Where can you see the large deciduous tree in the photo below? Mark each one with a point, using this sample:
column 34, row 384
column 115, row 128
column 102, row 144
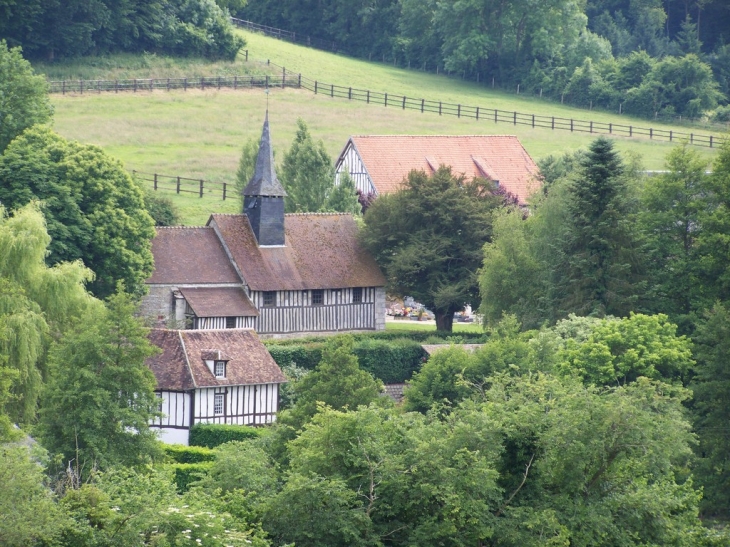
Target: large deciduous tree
column 23, row 95
column 428, row 238
column 94, row 210
column 100, row 396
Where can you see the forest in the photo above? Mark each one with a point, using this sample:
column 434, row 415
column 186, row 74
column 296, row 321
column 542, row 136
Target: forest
column 651, row 58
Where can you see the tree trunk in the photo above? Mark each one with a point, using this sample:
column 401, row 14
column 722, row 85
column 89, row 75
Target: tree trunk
column 444, row 320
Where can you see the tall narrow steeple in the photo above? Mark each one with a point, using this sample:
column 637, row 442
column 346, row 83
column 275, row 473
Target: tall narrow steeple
column 263, row 197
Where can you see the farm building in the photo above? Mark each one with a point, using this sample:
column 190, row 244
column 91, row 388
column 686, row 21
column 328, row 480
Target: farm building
column 277, row 274
column 378, row 164
column 212, row 376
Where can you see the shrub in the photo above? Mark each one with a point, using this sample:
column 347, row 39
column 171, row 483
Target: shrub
column 184, row 474
column 189, row 454
column 301, row 355
column 390, row 361
column 213, row 435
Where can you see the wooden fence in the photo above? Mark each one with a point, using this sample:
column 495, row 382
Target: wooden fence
column 479, row 113
column 184, row 185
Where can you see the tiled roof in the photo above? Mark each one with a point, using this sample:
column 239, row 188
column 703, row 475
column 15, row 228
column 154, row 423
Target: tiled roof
column 395, row 391
column 190, row 255
column 219, row 302
column 321, row 252
column 389, row 159
column 181, row 365
column 433, row 348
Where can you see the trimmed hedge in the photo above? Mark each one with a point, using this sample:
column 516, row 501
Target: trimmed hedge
column 415, row 335
column 391, row 361
column 212, row 435
column 184, row 474
column 189, row 454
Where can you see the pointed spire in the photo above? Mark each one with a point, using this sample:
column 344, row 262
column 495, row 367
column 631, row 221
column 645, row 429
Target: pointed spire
column 264, row 181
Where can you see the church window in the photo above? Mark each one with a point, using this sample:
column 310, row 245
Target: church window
column 357, row 295
column 317, row 297
column 269, row 299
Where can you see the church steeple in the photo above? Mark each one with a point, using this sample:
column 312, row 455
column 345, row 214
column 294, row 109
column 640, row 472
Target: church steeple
column 263, row 197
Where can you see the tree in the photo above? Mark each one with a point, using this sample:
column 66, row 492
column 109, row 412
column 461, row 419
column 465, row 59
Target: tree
column 428, row 238
column 246, row 166
column 306, row 173
column 37, row 304
column 100, row 395
column 23, row 95
column 601, row 251
column 673, row 204
column 343, row 197
column 93, row 208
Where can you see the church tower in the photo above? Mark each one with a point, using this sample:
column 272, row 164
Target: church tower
column 263, row 197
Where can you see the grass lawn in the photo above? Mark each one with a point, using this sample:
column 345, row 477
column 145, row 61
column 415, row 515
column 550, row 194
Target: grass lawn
column 417, row 325
column 199, row 134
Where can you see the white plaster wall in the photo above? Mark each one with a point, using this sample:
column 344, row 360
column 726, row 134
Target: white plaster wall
column 174, row 436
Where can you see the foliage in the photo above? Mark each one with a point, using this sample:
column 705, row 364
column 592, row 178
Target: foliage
column 162, row 209
column 619, row 352
column 100, row 396
column 94, row 210
column 306, row 173
column 428, row 236
column 711, row 387
column 246, row 166
column 186, row 475
column 188, row 454
column 241, row 465
column 23, row 95
column 214, row 435
column 30, row 515
column 37, row 304
column 343, row 197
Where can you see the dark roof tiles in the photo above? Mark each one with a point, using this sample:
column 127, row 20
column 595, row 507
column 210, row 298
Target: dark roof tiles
column 219, row 302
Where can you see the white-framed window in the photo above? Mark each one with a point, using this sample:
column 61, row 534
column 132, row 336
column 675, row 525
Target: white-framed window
column 219, row 369
column 219, row 400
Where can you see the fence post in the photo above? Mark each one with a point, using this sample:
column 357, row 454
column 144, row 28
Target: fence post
column 155, row 182
column 610, row 128
column 185, row 84
column 315, row 87
column 404, row 102
column 235, row 82
column 224, row 191
column 710, row 141
column 591, row 130
column 246, row 55
column 283, row 77
column 385, row 100
column 349, row 94
column 631, row 130
column 651, row 133
column 458, row 111
column 178, row 185
column 477, row 109
column 168, row 84
column 299, row 83
column 152, row 84
column 514, row 118
column 135, row 85
column 691, row 138
column 202, row 82
column 63, row 87
column 81, row 86
column 368, row 101
column 201, row 188
column 533, row 121
column 670, row 135
column 495, row 115
column 571, row 124
column 439, row 108
column 332, row 90
column 552, row 126
column 219, row 82
column 267, row 81
column 423, row 101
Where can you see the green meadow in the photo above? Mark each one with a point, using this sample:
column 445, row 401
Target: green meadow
column 199, row 134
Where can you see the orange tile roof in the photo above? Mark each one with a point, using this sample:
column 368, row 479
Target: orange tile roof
column 389, row 158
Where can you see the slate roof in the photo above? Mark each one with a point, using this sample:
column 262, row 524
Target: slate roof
column 389, row 158
column 321, row 252
column 181, row 365
column 264, row 181
column 395, row 391
column 190, row 255
column 219, row 302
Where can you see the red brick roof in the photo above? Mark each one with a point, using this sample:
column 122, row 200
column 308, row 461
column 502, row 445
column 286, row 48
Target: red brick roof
column 389, row 158
column 190, row 255
column 219, row 302
column 321, row 252
column 181, row 365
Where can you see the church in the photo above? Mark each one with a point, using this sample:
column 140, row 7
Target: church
column 278, row 274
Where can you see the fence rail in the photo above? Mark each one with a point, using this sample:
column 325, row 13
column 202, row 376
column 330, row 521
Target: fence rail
column 296, row 80
column 186, row 185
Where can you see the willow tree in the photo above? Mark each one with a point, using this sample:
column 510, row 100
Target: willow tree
column 37, row 303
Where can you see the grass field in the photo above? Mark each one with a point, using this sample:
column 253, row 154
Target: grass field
column 199, row 134
column 417, row 325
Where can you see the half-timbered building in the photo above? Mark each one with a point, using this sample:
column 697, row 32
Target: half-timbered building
column 378, row 164
column 279, row 274
column 212, row 376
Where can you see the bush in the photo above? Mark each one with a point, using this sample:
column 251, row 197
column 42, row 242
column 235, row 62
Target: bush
column 213, row 435
column 189, row 454
column 184, row 474
column 161, row 209
column 390, row 361
column 301, row 355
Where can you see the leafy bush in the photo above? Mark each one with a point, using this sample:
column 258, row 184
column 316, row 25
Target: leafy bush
column 184, row 474
column 189, row 454
column 301, row 355
column 213, row 435
column 391, row 362
column 162, row 210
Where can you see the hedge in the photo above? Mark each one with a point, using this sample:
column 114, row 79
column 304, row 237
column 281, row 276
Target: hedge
column 391, row 361
column 415, row 335
column 212, row 435
column 184, row 474
column 189, row 454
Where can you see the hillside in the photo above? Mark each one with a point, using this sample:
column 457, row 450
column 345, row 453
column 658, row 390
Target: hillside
column 200, row 133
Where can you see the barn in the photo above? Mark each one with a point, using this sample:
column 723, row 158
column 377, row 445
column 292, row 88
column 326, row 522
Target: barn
column 378, row 164
column 212, row 376
column 279, row 274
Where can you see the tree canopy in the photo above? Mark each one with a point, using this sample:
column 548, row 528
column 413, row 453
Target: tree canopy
column 94, row 210
column 428, row 238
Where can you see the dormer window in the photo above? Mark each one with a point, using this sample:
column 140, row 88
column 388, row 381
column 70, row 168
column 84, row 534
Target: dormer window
column 220, row 369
